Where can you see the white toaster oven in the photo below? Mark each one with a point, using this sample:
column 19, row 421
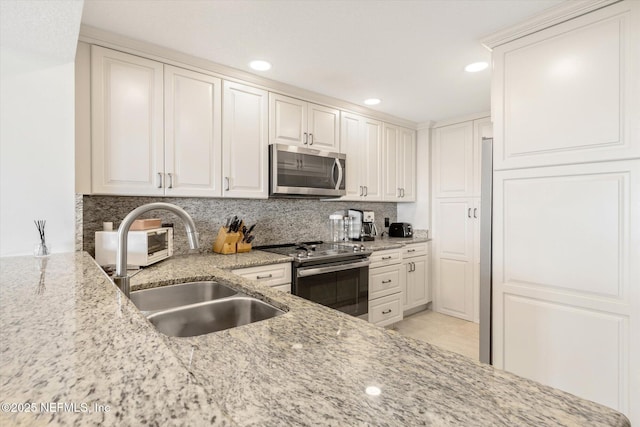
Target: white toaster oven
column 143, row 247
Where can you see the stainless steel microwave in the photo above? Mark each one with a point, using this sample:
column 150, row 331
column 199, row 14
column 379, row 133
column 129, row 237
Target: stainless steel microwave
column 305, row 172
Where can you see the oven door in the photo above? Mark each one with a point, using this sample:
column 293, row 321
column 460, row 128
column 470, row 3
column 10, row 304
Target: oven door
column 343, row 286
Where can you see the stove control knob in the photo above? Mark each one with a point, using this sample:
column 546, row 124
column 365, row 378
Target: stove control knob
column 362, row 248
column 313, row 247
column 356, row 248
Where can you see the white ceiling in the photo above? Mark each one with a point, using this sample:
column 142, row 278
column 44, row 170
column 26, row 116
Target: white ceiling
column 409, row 53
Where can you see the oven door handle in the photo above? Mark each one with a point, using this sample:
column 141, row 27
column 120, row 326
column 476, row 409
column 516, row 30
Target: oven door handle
column 304, row 272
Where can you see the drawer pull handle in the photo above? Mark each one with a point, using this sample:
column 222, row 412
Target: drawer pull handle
column 386, row 311
column 411, row 250
column 386, row 281
column 268, row 276
column 386, row 257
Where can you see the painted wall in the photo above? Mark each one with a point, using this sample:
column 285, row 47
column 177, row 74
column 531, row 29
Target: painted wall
column 418, row 213
column 37, row 123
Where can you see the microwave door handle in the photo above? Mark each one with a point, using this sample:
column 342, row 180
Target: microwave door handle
column 340, row 173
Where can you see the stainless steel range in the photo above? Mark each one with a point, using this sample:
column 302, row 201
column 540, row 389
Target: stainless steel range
column 331, row 274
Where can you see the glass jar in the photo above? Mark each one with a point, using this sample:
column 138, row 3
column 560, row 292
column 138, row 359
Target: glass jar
column 336, row 228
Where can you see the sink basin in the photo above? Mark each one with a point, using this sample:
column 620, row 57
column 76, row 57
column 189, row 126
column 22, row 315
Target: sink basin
column 167, row 297
column 212, row 316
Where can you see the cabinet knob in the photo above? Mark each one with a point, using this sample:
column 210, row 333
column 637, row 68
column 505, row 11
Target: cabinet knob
column 386, row 257
column 386, row 311
column 386, row 281
column 267, row 276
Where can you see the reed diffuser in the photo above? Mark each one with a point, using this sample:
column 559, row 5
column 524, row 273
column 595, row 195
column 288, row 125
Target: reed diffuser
column 41, row 249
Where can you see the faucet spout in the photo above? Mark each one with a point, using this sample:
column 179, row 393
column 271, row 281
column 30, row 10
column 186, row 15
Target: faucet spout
column 121, row 278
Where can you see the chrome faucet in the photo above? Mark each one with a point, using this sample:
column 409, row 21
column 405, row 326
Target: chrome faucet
column 121, row 279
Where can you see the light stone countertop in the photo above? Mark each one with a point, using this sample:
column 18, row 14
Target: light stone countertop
column 77, row 339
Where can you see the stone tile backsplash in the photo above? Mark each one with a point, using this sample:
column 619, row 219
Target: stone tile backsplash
column 278, row 220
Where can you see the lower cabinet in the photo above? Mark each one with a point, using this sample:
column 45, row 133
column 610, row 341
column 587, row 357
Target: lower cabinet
column 386, row 282
column 278, row 276
column 415, row 262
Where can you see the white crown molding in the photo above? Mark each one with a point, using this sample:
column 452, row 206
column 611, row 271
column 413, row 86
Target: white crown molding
column 425, row 125
column 461, row 119
column 158, row 53
column 550, row 17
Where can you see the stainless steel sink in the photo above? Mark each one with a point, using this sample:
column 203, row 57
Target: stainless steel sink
column 166, row 297
column 212, row 316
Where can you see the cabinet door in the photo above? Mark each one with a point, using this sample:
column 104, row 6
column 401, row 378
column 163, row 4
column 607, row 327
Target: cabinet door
column 453, row 160
column 127, row 125
column 390, row 143
column 192, row 133
column 323, row 127
column 351, row 145
column 417, row 271
column 454, row 257
column 244, row 148
column 407, row 165
column 371, row 170
column 287, row 120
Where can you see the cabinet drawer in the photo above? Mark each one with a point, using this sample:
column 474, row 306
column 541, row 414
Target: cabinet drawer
column 386, row 310
column 271, row 275
column 384, row 281
column 414, row 249
column 387, row 257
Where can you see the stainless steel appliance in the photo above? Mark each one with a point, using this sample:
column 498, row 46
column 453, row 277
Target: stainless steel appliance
column 305, row 172
column 400, row 229
column 144, row 247
column 369, row 230
column 334, row 275
column 486, row 193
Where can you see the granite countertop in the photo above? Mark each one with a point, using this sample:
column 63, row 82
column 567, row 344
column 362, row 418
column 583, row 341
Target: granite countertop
column 68, row 335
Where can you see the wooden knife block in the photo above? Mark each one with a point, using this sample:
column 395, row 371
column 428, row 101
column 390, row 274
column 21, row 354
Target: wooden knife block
column 230, row 243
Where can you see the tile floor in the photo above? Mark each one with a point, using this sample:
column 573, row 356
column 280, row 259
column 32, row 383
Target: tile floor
column 447, row 332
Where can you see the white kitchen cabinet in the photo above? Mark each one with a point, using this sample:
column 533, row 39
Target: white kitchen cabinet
column 456, row 158
column 192, row 113
column 415, row 261
column 127, row 124
column 399, row 164
column 386, row 284
column 566, row 206
column 456, row 257
column 155, row 128
column 277, row 276
column 245, row 168
column 361, row 141
column 296, row 122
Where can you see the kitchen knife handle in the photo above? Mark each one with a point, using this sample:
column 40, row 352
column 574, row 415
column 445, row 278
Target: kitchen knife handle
column 310, row 139
column 159, row 180
column 170, row 180
column 226, row 183
column 306, row 138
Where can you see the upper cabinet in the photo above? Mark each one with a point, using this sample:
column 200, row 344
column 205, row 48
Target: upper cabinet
column 456, row 158
column 580, row 83
column 192, row 113
column 296, row 122
column 399, row 164
column 244, row 141
column 127, row 124
column 361, row 141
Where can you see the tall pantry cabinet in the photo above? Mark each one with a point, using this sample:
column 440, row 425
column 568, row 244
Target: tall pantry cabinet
column 456, row 210
column 566, row 211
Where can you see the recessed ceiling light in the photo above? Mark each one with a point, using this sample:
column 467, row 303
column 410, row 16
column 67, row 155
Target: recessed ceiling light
column 259, row 65
column 475, row 67
column 372, row 101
